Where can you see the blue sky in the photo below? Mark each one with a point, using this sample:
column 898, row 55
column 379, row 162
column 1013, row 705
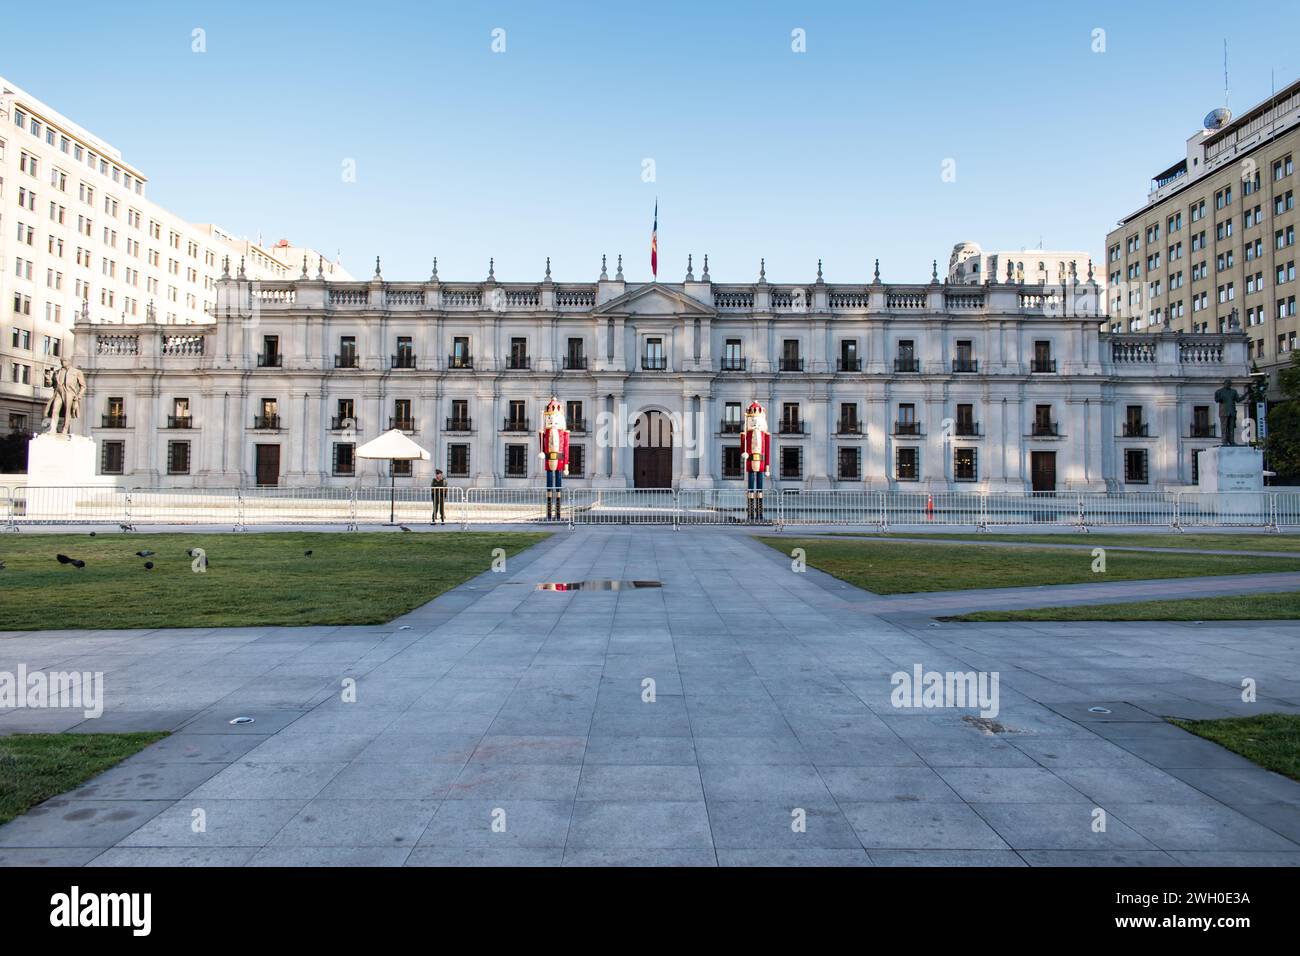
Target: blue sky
column 759, row 151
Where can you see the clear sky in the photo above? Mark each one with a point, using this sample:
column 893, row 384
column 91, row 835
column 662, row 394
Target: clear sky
column 758, row 151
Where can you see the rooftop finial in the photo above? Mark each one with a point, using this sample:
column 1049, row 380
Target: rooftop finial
column 762, row 270
column 1090, row 268
column 704, row 276
column 225, row 267
column 603, row 273
column 242, row 274
column 492, row 268
column 376, row 266
column 1008, row 272
column 304, row 265
column 619, row 274
column 877, row 279
column 934, row 270
column 690, row 267
column 320, row 267
column 433, row 276
column 819, row 270
column 548, row 267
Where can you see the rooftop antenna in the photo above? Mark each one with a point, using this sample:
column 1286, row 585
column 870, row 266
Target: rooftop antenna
column 1225, row 71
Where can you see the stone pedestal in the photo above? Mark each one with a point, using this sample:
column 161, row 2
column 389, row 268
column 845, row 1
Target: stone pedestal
column 61, row 461
column 1231, row 468
column 1234, row 476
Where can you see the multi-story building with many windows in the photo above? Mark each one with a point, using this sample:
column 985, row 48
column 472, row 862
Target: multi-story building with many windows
column 80, row 239
column 1215, row 246
column 1001, row 387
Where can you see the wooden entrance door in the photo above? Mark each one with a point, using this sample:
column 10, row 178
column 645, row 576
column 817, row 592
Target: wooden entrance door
column 268, row 464
column 1042, row 470
column 652, row 459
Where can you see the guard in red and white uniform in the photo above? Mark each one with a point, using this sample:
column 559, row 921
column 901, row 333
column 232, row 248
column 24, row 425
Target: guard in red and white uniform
column 756, row 454
column 554, row 443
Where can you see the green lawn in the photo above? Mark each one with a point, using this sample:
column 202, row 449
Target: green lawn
column 886, row 566
column 35, row 767
column 1206, row 542
column 1242, row 607
column 350, row 577
column 1270, row 740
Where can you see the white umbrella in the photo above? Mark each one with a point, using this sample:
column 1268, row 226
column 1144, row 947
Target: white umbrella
column 394, row 446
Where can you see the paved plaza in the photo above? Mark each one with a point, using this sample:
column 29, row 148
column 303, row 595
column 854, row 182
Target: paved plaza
column 500, row 724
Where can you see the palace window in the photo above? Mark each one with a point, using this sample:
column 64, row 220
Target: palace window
column 402, row 468
column 963, row 464
column 792, row 462
column 112, row 458
column 850, row 463
column 345, row 464
column 577, row 461
column 654, row 360
column 731, row 461
column 906, row 464
column 458, row 460
column 516, row 461
column 178, row 458
column 1135, row 466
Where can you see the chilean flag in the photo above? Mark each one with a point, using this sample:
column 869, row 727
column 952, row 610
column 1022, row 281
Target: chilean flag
column 654, row 243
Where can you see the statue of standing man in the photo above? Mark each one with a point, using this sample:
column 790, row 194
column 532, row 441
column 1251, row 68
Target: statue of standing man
column 1228, row 398
column 69, row 385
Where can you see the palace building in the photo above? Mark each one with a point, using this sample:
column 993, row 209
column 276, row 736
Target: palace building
column 927, row 387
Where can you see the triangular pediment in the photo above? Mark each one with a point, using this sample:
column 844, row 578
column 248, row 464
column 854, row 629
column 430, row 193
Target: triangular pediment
column 654, row 299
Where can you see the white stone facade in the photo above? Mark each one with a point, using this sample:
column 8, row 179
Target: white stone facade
column 1002, row 388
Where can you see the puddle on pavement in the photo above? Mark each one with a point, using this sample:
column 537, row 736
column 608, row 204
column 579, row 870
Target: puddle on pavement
column 601, row 585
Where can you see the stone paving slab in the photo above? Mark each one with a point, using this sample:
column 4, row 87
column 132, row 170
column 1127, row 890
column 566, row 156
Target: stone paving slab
column 504, row 726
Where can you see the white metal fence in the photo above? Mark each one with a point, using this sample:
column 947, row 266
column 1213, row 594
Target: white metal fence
column 243, row 508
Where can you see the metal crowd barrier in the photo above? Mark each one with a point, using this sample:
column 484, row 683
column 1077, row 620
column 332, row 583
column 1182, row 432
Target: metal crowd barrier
column 352, row 506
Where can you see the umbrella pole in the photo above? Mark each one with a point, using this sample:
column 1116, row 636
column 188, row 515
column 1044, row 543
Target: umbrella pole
column 392, row 492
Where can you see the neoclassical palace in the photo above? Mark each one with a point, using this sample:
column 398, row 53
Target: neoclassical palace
column 927, row 387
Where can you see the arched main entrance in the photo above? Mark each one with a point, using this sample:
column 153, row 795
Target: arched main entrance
column 652, row 458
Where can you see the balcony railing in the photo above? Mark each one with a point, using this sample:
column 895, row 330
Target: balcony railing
column 1136, row 429
column 515, row 425
column 575, row 363
column 402, row 424
column 965, row 365
column 730, row 428
column 578, row 425
column 1040, row 366
column 180, row 421
column 518, row 363
column 906, row 364
column 403, row 360
column 341, row 423
column 266, row 422
column 791, row 364
column 848, row 365
column 654, row 363
column 114, row 421
column 459, row 425
column 1045, row 430
column 271, row 360
column 460, row 362
column 733, row 364
column 790, row 427
column 1202, row 431
column 907, row 428
column 848, row 428
column 967, row 429
column 347, row 360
